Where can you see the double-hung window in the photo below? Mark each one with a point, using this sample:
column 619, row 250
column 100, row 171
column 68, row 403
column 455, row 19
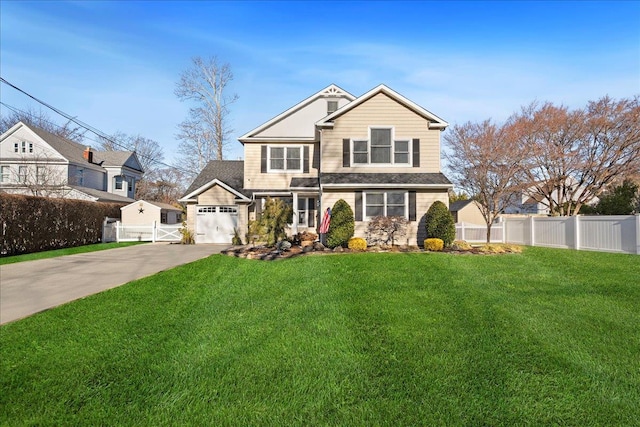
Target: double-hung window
column 118, row 183
column 381, row 149
column 389, row 203
column 5, row 173
column 285, row 159
column 22, row 174
column 41, row 174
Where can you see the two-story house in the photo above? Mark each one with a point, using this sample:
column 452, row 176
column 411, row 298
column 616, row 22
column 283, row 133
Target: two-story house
column 380, row 152
column 36, row 162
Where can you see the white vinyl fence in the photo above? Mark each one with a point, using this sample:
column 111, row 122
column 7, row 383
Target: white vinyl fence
column 610, row 233
column 474, row 233
column 115, row 231
column 606, row 233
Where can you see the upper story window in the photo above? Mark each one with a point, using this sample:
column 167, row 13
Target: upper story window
column 80, row 177
column 285, row 159
column 23, row 147
column 332, row 106
column 381, row 148
column 118, row 184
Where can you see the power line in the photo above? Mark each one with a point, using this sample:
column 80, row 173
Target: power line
column 83, row 125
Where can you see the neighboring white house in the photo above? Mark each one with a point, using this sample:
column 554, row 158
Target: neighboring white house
column 143, row 212
column 36, row 162
column 531, row 202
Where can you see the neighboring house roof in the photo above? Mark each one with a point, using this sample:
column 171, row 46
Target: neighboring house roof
column 70, row 150
column 434, row 121
column 102, row 196
column 304, row 183
column 164, row 206
column 118, row 159
column 459, row 205
column 228, row 173
column 385, row 179
column 331, row 90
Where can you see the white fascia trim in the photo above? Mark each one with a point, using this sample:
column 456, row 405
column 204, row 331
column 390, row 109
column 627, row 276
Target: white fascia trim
column 277, row 139
column 325, row 122
column 296, row 107
column 398, row 186
column 273, row 193
column 211, row 184
column 310, row 189
column 185, row 200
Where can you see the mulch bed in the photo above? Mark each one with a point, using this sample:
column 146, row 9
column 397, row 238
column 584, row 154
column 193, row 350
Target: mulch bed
column 264, row 253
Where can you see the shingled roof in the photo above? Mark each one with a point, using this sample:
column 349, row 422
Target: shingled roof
column 230, row 172
column 372, row 179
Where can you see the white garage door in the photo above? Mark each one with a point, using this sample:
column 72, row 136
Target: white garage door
column 215, row 224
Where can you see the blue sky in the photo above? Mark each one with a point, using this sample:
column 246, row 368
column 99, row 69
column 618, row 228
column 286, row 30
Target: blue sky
column 114, row 65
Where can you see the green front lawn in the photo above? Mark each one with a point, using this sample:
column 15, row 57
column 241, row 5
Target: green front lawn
column 547, row 337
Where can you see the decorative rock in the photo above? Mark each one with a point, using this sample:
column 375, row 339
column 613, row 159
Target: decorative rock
column 317, row 246
column 307, row 249
column 338, row 249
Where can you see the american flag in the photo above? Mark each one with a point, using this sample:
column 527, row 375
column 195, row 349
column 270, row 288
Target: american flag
column 326, row 219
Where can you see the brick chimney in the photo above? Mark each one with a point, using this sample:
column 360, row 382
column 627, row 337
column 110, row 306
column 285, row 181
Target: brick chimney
column 88, row 155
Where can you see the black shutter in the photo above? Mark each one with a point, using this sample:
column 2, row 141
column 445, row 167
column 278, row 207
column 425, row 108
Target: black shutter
column 358, row 213
column 346, row 152
column 305, row 161
column 416, row 153
column 263, row 159
column 412, row 205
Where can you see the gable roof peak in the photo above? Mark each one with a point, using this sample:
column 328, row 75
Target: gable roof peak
column 434, row 121
column 330, row 91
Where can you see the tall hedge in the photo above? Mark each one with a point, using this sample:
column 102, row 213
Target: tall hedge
column 33, row 224
column 440, row 223
column 342, row 225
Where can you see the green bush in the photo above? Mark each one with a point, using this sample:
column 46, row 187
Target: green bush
column 357, row 244
column 342, row 225
column 275, row 217
column 433, row 244
column 440, row 223
column 34, row 224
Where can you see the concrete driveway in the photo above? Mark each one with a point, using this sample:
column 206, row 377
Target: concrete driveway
column 32, row 286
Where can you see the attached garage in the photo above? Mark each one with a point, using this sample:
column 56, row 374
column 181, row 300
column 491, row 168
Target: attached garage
column 215, row 224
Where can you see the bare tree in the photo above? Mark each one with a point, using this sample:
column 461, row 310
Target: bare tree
column 204, row 134
column 40, row 119
column 161, row 185
column 42, row 175
column 571, row 157
column 484, row 162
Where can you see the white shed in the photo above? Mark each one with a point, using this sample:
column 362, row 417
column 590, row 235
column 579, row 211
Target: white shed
column 142, row 212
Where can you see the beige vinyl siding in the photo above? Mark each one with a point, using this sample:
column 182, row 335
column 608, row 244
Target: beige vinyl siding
column 131, row 214
column 191, row 217
column 254, row 179
column 381, row 111
column 216, row 195
column 415, row 231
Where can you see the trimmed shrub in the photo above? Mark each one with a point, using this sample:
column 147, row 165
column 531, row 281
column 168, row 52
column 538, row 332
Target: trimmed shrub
column 342, row 225
column 34, row 224
column 270, row 228
column 433, row 244
column 440, row 223
column 461, row 245
column 384, row 230
column 357, row 244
